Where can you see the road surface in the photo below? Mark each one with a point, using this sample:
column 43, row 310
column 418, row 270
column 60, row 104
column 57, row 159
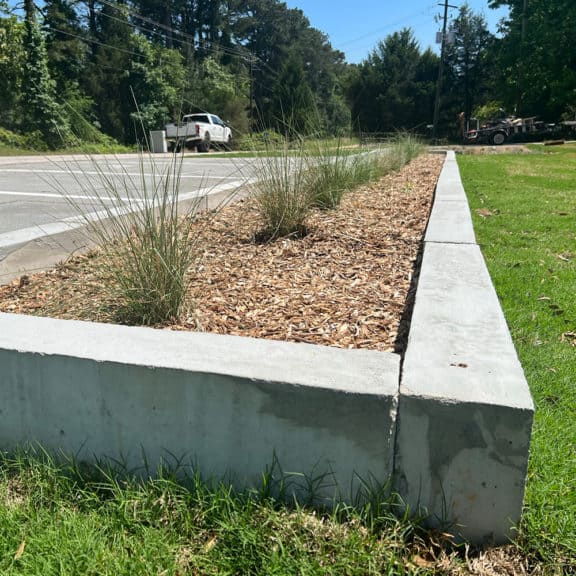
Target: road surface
column 37, row 195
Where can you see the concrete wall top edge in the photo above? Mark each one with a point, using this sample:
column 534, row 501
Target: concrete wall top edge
column 460, row 347
column 351, row 371
column 450, row 219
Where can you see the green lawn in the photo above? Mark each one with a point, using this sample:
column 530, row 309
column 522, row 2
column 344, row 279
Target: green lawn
column 63, row 519
column 524, row 212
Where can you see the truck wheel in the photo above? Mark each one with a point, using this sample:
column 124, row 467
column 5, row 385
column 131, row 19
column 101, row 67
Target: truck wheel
column 204, row 146
column 178, row 146
column 229, row 143
column 498, row 138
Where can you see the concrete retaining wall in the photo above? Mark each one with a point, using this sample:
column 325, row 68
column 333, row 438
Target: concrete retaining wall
column 453, row 431
column 228, row 404
column 465, row 410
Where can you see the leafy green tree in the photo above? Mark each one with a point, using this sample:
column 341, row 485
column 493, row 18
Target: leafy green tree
column 103, row 57
column 323, row 67
column 468, row 67
column 272, row 34
column 425, row 87
column 157, row 79
column 220, row 90
column 336, row 114
column 66, row 43
column 41, row 112
column 537, row 57
column 68, row 51
column 12, row 62
column 392, row 89
column 106, row 78
column 293, row 107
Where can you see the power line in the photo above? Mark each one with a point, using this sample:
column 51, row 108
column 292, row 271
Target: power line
column 245, row 54
column 93, row 41
column 394, row 24
column 221, row 48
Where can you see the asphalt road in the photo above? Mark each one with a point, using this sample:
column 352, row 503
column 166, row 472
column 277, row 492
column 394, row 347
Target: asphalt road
column 37, row 193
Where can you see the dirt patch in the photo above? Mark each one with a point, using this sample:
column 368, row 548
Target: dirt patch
column 346, row 284
column 490, row 149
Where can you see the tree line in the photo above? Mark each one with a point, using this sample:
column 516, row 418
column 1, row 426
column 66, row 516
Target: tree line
column 92, row 70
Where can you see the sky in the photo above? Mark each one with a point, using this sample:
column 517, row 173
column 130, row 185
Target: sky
column 356, row 26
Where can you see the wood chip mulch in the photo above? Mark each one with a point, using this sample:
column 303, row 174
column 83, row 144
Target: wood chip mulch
column 347, row 283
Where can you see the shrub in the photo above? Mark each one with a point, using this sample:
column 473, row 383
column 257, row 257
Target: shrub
column 266, row 140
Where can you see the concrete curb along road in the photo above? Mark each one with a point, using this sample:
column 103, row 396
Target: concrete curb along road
column 452, row 431
column 465, row 410
column 227, row 403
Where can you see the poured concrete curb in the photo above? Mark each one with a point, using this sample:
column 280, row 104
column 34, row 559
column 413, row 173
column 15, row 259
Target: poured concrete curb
column 230, row 404
column 465, row 410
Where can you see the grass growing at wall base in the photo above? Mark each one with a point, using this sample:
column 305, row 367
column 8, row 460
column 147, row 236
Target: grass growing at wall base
column 69, row 518
column 524, row 212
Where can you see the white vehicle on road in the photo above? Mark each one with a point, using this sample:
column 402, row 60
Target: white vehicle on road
column 200, row 131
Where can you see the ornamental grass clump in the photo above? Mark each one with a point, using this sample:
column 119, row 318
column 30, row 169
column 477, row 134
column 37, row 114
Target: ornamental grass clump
column 145, row 235
column 303, row 175
column 404, row 147
column 331, row 173
column 334, row 170
column 281, row 192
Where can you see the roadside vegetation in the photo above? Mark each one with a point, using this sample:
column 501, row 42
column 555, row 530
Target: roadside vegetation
column 66, row 76
column 315, row 174
column 146, row 233
column 150, row 249
column 523, row 206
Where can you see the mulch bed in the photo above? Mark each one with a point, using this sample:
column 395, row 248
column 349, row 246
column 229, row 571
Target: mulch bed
column 347, row 283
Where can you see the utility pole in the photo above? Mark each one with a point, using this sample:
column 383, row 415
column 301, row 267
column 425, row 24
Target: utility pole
column 440, row 71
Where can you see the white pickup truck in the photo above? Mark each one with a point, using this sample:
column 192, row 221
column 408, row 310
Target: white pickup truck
column 199, row 131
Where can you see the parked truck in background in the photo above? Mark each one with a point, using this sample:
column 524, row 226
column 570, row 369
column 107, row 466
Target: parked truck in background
column 200, row 131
